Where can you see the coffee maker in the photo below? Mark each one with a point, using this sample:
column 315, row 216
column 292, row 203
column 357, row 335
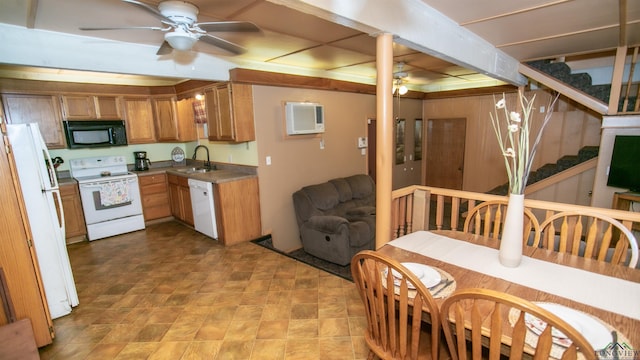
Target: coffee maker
column 141, row 162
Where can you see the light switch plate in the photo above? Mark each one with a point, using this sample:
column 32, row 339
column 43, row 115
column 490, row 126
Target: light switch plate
column 362, row 142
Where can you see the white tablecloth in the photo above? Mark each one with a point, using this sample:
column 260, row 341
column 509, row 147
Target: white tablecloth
column 604, row 292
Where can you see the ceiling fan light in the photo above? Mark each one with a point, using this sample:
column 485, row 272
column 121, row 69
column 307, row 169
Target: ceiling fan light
column 180, row 40
column 402, row 90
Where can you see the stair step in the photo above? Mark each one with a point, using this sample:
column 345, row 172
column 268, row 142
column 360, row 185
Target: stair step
column 588, row 153
column 566, row 162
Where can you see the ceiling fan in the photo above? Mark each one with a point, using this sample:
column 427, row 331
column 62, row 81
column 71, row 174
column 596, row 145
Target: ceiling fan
column 182, row 29
column 398, row 78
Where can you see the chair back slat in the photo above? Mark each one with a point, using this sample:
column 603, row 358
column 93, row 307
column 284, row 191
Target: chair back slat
column 487, row 219
column 396, row 303
column 590, row 235
column 497, row 320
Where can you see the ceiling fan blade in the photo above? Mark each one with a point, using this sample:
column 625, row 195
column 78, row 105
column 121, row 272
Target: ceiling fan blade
column 126, row 28
column 236, row 26
column 164, row 49
column 223, row 44
column 151, row 10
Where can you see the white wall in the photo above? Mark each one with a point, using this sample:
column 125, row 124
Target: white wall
column 611, row 126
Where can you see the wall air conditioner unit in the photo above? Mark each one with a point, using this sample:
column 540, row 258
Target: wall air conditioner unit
column 304, row 118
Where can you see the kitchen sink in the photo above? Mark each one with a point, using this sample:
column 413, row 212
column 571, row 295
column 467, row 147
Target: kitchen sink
column 194, row 170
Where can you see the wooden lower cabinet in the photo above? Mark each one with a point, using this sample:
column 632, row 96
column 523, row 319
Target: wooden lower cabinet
column 238, row 210
column 154, row 192
column 75, row 225
column 180, row 198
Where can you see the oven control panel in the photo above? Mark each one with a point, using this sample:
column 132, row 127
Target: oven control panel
column 98, row 166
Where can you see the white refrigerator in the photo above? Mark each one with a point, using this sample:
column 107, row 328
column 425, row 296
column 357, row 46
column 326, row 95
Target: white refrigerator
column 43, row 204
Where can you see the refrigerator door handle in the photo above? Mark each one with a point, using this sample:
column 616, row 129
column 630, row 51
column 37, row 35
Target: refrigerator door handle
column 59, row 209
column 48, row 163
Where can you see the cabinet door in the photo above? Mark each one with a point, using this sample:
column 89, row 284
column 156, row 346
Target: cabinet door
column 155, row 196
column 242, row 112
column 78, row 107
column 139, row 120
column 73, row 215
column 230, row 113
column 17, row 258
column 165, row 119
column 41, row 109
column 225, row 114
column 238, row 210
column 174, row 200
column 211, row 105
column 187, row 130
column 108, row 107
column 187, row 211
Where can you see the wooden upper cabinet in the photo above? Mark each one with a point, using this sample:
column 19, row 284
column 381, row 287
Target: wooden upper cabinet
column 230, row 113
column 41, row 109
column 108, row 107
column 166, row 119
column 90, row 107
column 187, row 130
column 139, row 119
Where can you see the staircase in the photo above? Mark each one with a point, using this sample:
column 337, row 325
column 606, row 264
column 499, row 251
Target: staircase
column 581, row 81
column 547, row 170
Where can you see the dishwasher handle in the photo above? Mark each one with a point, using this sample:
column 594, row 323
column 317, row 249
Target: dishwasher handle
column 198, row 185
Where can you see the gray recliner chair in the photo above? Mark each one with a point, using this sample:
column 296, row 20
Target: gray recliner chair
column 336, row 219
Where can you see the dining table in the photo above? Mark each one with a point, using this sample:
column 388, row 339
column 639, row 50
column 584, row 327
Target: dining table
column 609, row 293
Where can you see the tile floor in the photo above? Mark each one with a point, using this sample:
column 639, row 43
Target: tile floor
column 171, row 293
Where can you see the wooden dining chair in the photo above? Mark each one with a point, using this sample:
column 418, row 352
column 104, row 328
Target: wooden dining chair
column 395, row 313
column 590, row 235
column 487, row 219
column 476, row 325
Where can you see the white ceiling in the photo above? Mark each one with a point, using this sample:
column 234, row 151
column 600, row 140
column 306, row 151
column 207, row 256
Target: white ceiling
column 292, row 39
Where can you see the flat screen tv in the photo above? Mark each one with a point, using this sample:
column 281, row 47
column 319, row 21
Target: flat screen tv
column 624, row 171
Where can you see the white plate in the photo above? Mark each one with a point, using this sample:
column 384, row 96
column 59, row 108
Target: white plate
column 428, row 275
column 591, row 328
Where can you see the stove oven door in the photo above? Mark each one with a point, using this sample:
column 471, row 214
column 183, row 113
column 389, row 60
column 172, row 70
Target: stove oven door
column 109, row 199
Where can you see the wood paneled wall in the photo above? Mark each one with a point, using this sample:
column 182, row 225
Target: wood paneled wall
column 570, row 129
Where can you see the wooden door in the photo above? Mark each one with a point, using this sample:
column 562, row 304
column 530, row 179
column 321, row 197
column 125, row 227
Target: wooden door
column 444, row 163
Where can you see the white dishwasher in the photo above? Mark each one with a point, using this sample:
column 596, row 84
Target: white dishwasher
column 204, row 215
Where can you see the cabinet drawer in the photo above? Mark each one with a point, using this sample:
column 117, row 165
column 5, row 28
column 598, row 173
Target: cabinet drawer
column 179, row 180
column 150, row 189
column 152, row 179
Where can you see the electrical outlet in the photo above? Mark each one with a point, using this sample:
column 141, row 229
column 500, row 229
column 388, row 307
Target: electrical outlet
column 321, row 144
column 268, row 160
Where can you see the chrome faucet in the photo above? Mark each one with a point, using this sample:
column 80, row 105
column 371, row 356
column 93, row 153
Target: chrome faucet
column 207, row 164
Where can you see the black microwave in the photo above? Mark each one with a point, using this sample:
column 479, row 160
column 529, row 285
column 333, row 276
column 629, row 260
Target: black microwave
column 94, row 133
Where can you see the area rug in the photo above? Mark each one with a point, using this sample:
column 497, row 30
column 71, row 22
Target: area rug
column 341, row 271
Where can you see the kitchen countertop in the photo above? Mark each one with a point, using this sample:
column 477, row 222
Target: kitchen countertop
column 213, row 176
